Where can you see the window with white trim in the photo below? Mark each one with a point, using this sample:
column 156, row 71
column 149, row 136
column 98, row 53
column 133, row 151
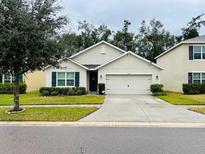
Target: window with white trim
column 198, row 77
column 199, row 52
column 65, row 79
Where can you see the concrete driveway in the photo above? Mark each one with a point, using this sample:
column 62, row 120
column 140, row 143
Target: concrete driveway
column 141, row 108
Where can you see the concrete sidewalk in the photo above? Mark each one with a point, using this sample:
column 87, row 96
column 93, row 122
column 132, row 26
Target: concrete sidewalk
column 142, row 108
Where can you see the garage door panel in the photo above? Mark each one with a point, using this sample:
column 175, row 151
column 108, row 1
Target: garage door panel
column 128, row 84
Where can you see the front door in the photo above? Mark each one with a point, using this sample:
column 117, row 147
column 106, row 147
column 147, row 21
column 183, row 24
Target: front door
column 93, row 80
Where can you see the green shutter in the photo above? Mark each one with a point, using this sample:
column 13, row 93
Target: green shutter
column 191, row 52
column 189, row 77
column 53, row 82
column 77, row 79
column 0, row 78
column 21, row 77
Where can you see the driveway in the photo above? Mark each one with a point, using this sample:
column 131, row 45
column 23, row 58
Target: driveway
column 141, row 108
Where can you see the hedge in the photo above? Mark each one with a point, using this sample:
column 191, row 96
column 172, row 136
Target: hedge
column 194, row 88
column 50, row 91
column 101, row 88
column 8, row 88
column 157, row 90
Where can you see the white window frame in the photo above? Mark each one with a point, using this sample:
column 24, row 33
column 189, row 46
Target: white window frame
column 64, row 79
column 201, row 52
column 201, row 79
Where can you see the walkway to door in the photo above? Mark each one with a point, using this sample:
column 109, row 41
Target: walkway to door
column 141, row 108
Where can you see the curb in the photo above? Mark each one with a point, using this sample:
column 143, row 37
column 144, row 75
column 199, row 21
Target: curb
column 106, row 124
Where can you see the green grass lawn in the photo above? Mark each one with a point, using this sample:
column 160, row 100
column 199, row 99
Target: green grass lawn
column 199, row 110
column 181, row 99
column 47, row 114
column 35, row 98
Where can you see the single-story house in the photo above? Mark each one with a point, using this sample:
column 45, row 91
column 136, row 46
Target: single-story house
column 183, row 63
column 122, row 72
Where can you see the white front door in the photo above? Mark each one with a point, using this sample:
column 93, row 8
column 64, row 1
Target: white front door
column 128, row 84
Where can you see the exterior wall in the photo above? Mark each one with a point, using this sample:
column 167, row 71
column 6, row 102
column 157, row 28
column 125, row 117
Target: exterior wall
column 176, row 66
column 35, row 80
column 67, row 66
column 129, row 65
column 98, row 55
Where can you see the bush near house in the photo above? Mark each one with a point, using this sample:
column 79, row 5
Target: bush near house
column 50, row 91
column 194, row 88
column 101, row 88
column 8, row 88
column 157, row 90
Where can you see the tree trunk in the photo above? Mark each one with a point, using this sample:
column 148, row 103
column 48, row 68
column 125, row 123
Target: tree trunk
column 16, row 93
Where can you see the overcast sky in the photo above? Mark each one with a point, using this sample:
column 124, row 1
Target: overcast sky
column 174, row 14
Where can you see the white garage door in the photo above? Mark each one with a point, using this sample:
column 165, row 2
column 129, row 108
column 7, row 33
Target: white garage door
column 128, row 84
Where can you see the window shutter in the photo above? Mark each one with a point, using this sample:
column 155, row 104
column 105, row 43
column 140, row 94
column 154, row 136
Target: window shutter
column 21, row 77
column 190, row 52
column 53, row 82
column 189, row 78
column 77, row 79
column 0, row 78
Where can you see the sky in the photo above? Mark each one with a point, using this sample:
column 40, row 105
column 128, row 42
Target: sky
column 174, row 14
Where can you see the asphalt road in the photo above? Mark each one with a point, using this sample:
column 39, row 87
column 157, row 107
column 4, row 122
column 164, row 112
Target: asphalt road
column 78, row 140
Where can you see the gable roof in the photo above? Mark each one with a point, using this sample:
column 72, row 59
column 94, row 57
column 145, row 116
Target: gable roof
column 196, row 40
column 135, row 55
column 61, row 60
column 95, row 45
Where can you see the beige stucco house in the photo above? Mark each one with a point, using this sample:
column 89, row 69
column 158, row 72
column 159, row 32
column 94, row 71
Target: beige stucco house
column 183, row 63
column 122, row 72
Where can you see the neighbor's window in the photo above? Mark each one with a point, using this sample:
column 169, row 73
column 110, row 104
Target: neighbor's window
column 198, row 77
column 199, row 52
column 7, row 78
column 65, row 79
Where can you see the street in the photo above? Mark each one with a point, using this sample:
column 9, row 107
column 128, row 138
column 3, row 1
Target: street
column 99, row 140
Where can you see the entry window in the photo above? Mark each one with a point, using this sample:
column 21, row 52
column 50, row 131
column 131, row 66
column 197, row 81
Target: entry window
column 198, row 78
column 199, row 52
column 70, row 79
column 65, row 79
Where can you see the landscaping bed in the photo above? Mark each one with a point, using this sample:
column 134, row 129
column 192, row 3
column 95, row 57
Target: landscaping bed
column 181, row 99
column 34, row 98
column 47, row 114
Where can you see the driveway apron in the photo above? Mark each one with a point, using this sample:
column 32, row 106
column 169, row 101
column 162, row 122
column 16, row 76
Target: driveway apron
column 141, row 108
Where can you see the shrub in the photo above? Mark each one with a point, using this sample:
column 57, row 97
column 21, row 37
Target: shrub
column 193, row 88
column 156, row 88
column 45, row 93
column 159, row 93
column 63, row 91
column 54, row 93
column 101, row 88
column 71, row 92
column 8, row 88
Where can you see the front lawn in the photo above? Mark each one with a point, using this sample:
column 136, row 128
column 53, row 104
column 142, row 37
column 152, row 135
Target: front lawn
column 34, row 98
column 181, row 99
column 47, row 114
column 199, row 110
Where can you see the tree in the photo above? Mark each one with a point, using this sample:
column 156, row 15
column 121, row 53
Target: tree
column 28, row 30
column 152, row 40
column 90, row 35
column 125, row 39
column 192, row 28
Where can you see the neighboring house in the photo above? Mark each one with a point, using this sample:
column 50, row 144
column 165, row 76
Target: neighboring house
column 183, row 63
column 122, row 72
